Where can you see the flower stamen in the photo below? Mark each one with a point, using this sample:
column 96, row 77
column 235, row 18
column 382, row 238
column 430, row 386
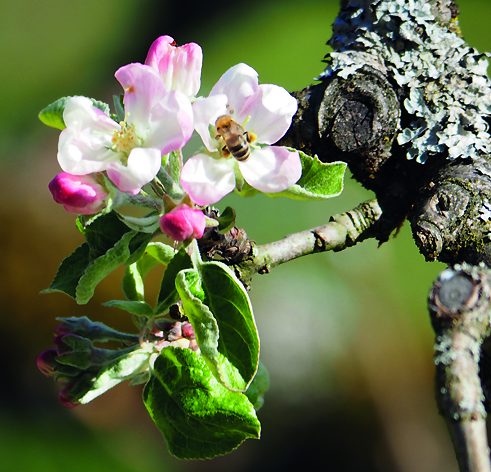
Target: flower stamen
column 125, row 139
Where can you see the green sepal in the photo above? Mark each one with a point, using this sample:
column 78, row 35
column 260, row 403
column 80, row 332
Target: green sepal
column 52, row 115
column 168, row 293
column 319, row 180
column 198, row 416
column 118, row 114
column 138, row 308
column 220, row 311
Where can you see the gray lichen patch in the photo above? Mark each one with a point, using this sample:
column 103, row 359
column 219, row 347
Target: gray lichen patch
column 444, row 86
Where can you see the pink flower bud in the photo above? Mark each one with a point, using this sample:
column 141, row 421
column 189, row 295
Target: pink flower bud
column 80, row 194
column 187, row 330
column 45, row 362
column 179, row 67
column 65, row 398
column 183, row 223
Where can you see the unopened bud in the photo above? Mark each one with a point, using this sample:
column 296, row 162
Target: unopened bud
column 79, row 194
column 45, row 362
column 183, row 223
column 187, row 330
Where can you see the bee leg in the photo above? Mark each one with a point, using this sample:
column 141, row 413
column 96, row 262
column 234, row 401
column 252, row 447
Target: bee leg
column 225, row 151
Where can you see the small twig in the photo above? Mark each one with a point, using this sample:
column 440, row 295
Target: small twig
column 342, row 231
column 460, row 307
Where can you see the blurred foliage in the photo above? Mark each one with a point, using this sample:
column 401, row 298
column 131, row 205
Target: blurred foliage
column 345, row 336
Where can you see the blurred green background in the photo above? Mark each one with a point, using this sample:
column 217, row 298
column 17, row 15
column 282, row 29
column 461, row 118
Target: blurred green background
column 345, row 336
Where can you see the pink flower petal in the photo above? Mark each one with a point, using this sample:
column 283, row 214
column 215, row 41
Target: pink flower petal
column 143, row 89
column 79, row 194
column 183, row 222
column 206, row 111
column 83, row 147
column 170, row 123
column 238, row 83
column 178, row 67
column 208, row 180
column 143, row 165
column 271, row 169
column 271, row 110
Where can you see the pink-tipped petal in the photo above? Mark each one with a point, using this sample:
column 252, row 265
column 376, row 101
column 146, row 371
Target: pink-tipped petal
column 271, row 169
column 171, row 123
column 206, row 111
column 158, row 49
column 208, row 180
column 143, row 165
column 238, row 83
column 271, row 110
column 83, row 147
column 143, row 89
column 178, row 67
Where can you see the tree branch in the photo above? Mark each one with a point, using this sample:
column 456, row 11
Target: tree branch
column 460, row 308
column 343, row 230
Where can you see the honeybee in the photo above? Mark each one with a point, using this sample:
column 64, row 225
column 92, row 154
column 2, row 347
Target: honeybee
column 235, row 138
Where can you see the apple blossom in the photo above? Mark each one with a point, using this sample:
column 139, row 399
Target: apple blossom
column 79, row 194
column 183, row 223
column 178, row 66
column 156, row 122
column 264, row 112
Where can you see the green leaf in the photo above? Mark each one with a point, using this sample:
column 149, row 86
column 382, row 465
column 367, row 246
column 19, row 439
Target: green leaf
column 70, row 271
column 198, row 417
column 146, row 224
column 103, row 233
column 319, row 180
column 219, row 309
column 162, row 253
column 155, row 253
column 133, row 285
column 259, row 386
column 139, row 308
column 102, row 266
column 168, row 294
column 52, row 115
column 94, row 330
column 124, row 368
column 226, row 220
column 230, row 304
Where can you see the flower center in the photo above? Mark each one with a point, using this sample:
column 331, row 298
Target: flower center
column 125, row 139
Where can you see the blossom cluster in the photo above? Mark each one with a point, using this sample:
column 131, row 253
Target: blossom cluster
column 160, row 111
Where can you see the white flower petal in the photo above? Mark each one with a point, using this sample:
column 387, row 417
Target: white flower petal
column 271, row 110
column 271, row 169
column 171, row 123
column 208, row 180
column 206, row 111
column 143, row 165
column 84, row 145
column 238, row 83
